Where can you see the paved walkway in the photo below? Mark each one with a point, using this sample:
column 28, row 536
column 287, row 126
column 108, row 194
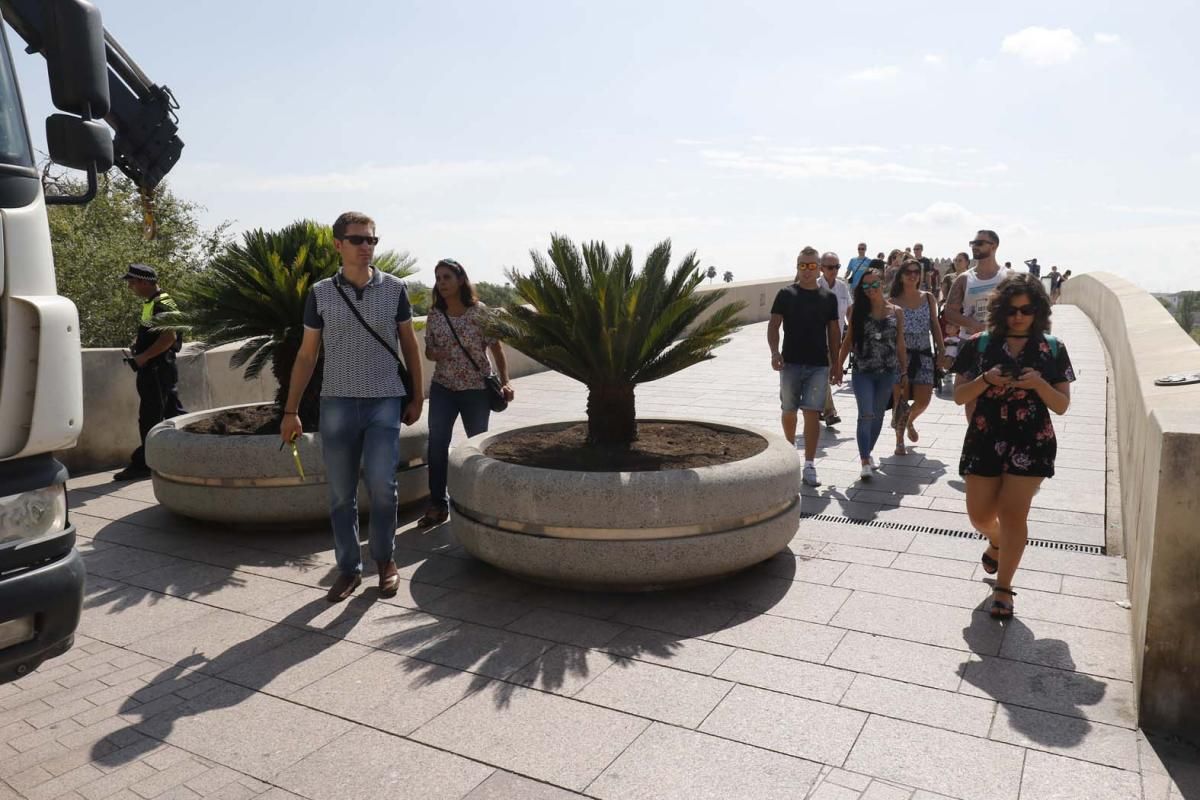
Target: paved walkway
column 855, row 665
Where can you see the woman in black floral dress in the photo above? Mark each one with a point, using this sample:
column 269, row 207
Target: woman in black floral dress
column 1015, row 374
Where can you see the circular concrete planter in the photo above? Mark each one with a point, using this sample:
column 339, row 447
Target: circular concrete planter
column 624, row 531
column 249, row 479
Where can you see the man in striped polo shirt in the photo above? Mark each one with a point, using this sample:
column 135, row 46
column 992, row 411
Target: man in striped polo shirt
column 363, row 399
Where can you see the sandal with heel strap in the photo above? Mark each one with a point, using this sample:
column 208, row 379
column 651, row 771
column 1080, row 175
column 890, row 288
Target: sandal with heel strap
column 1002, row 609
column 990, row 565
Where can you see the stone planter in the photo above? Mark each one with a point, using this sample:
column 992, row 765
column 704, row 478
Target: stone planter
column 624, row 531
column 249, row 479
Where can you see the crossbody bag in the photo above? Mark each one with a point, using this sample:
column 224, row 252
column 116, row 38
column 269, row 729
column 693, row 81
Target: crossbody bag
column 405, row 377
column 490, row 381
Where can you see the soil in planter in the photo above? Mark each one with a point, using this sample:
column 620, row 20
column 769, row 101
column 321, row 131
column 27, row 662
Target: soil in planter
column 240, row 422
column 659, row 446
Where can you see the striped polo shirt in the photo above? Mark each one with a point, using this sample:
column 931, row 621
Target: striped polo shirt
column 356, row 365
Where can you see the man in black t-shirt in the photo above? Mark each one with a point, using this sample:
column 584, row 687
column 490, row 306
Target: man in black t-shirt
column 808, row 315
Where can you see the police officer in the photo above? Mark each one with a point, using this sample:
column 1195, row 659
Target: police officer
column 154, row 361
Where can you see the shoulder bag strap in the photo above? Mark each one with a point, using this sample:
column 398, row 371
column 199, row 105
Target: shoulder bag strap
column 460, row 344
column 363, row 322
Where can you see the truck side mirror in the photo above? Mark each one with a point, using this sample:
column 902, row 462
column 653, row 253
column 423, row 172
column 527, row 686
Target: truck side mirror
column 78, row 144
column 76, row 61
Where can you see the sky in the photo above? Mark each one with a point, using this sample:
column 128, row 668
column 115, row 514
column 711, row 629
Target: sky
column 743, row 131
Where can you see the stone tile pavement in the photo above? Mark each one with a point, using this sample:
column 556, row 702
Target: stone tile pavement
column 857, row 664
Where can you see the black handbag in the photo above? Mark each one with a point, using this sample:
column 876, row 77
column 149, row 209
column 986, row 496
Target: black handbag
column 405, row 377
column 490, row 381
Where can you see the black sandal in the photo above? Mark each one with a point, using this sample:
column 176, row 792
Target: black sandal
column 990, row 565
column 1000, row 608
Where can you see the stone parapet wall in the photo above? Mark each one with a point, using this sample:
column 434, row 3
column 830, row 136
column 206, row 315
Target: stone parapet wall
column 1159, row 446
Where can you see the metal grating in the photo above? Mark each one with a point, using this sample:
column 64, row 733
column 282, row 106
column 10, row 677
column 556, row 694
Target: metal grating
column 1070, row 547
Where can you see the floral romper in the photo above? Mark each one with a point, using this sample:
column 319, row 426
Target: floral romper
column 1010, row 430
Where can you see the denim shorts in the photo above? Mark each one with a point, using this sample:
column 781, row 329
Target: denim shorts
column 803, row 387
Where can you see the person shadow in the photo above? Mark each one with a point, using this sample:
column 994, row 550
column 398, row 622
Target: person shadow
column 182, row 688
column 1026, row 691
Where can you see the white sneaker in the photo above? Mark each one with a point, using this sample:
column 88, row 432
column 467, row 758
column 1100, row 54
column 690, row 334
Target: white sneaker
column 874, row 465
column 810, row 476
column 867, row 473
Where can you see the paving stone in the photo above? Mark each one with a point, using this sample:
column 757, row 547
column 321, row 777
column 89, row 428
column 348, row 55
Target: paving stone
column 928, row 565
column 787, row 675
column 127, row 614
column 1079, row 611
column 216, row 641
column 598, row 605
column 693, row 655
column 1100, row 590
column 396, row 767
column 173, row 776
column 850, row 780
column 507, row 786
column 389, row 691
column 949, row 710
column 913, row 585
column 1069, row 647
column 119, row 562
column 243, row 591
column 1024, row 579
column 785, row 637
column 917, row 621
column 801, row 568
column 951, row 763
column 476, row 648
column 793, row 725
column 524, row 731
column 831, row 791
column 564, row 669
column 1067, row 736
column 115, row 781
column 295, row 664
column 648, row 690
column 560, row 626
column 249, row 732
column 1070, row 693
column 1051, row 777
column 181, row 578
column 854, row 535
column 883, row 791
column 473, row 607
column 923, row 664
column 674, row 614
column 783, row 597
column 668, row 763
column 62, row 784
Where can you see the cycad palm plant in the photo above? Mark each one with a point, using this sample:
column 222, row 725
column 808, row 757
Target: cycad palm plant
column 254, row 293
column 592, row 317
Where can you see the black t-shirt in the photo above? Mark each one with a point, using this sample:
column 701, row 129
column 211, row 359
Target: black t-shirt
column 147, row 335
column 806, row 316
column 1055, row 280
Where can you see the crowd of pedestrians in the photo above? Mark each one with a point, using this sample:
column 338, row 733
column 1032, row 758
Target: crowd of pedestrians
column 902, row 323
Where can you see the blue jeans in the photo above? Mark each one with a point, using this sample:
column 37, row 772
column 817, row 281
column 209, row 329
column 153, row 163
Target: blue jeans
column 871, row 392
column 444, row 407
column 803, row 387
column 361, row 432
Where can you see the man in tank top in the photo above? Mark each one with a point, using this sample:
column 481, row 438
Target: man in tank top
column 967, row 305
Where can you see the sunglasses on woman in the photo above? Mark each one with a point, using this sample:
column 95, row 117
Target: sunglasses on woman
column 910, row 272
column 872, row 285
column 1027, row 310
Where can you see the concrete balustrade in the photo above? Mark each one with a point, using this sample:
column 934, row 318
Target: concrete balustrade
column 1159, row 446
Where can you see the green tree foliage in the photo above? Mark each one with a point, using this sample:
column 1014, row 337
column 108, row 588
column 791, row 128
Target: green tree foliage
column 592, row 317
column 253, row 292
column 94, row 244
column 496, row 295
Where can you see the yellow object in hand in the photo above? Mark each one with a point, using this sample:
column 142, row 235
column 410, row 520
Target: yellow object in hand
column 296, row 456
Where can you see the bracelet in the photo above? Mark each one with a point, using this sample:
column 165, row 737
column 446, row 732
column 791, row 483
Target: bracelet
column 985, row 380
column 291, row 413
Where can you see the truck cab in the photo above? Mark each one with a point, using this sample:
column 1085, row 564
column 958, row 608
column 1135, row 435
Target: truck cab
column 41, row 387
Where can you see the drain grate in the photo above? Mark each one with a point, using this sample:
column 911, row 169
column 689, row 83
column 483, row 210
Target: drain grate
column 1070, row 547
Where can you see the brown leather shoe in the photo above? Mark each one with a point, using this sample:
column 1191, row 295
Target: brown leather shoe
column 389, row 578
column 343, row 587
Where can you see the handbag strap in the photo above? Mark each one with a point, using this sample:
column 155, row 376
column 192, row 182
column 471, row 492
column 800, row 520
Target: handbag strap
column 461, row 345
column 362, row 321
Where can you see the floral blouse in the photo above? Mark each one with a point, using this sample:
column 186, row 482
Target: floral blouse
column 878, row 351
column 454, row 371
column 1011, row 430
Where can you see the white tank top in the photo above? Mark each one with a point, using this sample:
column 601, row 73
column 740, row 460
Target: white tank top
column 979, row 290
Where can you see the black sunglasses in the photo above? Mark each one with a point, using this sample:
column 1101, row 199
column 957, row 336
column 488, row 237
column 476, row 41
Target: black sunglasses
column 977, row 242
column 910, row 272
column 1027, row 310
column 356, row 240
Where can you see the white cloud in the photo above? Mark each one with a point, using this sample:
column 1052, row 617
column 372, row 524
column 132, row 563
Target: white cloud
column 940, row 214
column 933, row 58
column 875, row 74
column 995, row 168
column 827, row 162
column 1106, row 38
column 1043, row 47
column 1160, row 211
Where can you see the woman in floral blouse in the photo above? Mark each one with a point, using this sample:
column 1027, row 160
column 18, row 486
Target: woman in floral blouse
column 458, row 386
column 1016, row 374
